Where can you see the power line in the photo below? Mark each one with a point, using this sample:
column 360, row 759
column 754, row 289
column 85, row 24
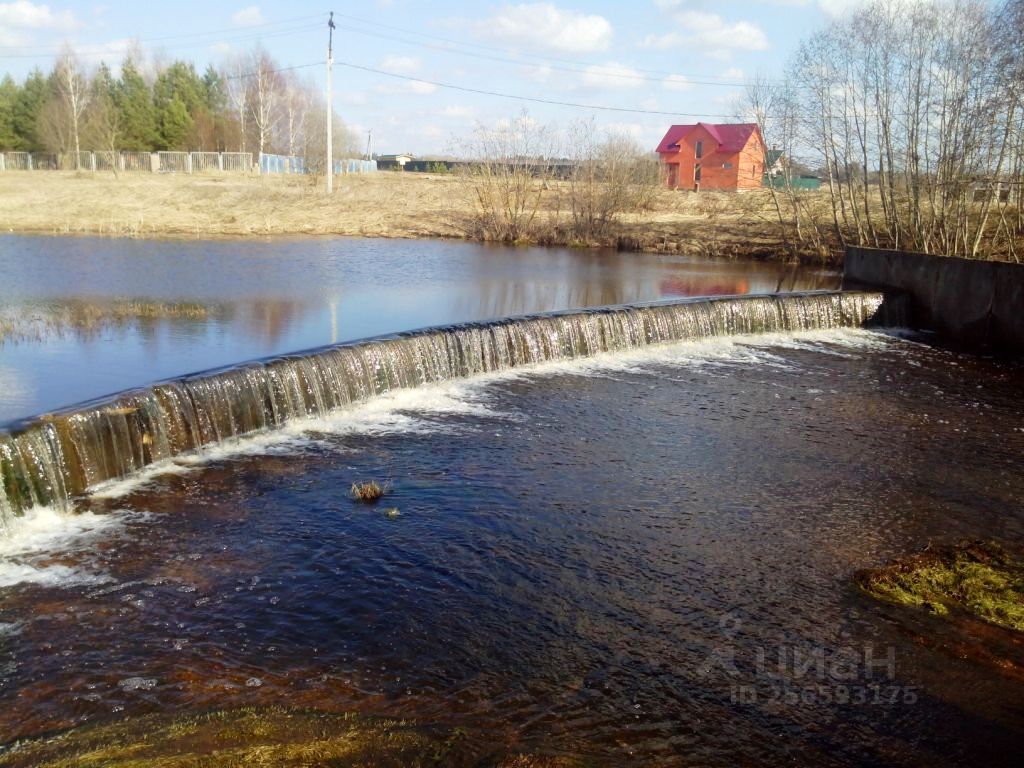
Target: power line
column 274, row 71
column 207, row 33
column 94, row 52
column 537, row 100
column 661, row 74
column 594, row 69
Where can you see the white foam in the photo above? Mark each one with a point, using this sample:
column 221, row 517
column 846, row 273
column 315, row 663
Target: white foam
column 395, row 412
column 402, row 411
column 43, row 532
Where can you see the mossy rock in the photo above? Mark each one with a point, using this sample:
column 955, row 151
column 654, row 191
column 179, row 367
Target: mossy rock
column 978, row 577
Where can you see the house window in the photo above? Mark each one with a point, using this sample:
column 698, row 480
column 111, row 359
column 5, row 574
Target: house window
column 699, row 150
column 727, row 165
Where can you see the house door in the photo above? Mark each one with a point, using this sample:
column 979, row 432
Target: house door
column 673, row 175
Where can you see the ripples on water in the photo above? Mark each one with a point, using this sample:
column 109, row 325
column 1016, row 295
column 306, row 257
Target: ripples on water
column 602, row 557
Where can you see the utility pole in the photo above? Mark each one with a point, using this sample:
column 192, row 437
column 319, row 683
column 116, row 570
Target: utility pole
column 369, row 141
column 330, row 105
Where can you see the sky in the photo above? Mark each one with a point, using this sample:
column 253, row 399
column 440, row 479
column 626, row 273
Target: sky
column 689, row 58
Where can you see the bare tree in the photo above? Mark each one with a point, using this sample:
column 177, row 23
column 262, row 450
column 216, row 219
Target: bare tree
column 237, row 79
column 610, row 175
column 297, row 99
column 265, row 97
column 73, row 92
column 912, row 109
column 508, row 170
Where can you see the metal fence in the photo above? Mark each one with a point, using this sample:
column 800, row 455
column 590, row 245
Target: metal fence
column 148, row 162
column 17, row 161
column 282, row 163
column 172, row 162
column 136, row 161
column 355, row 166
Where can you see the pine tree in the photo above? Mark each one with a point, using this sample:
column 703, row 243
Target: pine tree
column 175, row 124
column 28, row 108
column 135, row 103
column 178, row 83
column 9, row 92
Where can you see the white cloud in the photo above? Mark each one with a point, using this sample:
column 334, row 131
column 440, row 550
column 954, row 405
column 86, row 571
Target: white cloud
column 836, row 8
column 20, row 18
column 709, row 33
column 545, row 26
column 677, row 83
column 401, row 65
column 421, row 89
column 459, row 112
column 407, row 66
column 353, row 98
column 831, row 8
column 410, row 86
column 250, row 16
column 612, row 76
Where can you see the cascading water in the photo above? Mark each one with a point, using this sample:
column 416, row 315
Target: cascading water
column 50, row 459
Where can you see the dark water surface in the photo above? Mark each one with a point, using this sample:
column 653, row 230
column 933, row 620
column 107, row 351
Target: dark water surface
column 643, row 560
column 85, row 317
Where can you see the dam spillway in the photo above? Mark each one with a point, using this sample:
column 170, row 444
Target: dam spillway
column 50, row 459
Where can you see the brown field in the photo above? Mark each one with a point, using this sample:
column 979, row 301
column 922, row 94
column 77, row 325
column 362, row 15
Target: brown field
column 408, row 205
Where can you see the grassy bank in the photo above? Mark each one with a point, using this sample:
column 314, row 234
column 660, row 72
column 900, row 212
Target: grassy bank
column 379, row 205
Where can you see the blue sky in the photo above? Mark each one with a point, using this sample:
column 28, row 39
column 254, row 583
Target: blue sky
column 680, row 56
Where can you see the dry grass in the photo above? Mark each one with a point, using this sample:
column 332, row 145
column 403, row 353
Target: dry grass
column 145, row 205
column 400, row 205
column 368, row 492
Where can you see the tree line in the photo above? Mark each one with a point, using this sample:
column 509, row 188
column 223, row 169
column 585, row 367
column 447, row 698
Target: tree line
column 914, row 112
column 248, row 104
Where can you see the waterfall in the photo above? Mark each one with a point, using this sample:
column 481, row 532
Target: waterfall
column 50, row 459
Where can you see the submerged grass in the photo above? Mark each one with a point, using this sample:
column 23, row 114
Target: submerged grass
column 368, row 492
column 87, row 319
column 245, row 738
column 978, row 577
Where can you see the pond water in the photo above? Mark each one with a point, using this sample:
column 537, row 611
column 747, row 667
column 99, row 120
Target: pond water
column 637, row 559
column 85, row 317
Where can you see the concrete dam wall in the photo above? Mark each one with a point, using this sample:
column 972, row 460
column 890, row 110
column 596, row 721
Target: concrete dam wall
column 979, row 303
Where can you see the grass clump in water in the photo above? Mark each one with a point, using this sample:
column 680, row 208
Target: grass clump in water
column 368, row 492
column 978, row 577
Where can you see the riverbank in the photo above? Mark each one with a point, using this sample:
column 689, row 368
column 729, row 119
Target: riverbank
column 376, row 205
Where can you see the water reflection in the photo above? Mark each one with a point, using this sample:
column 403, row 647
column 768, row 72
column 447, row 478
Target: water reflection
column 85, row 317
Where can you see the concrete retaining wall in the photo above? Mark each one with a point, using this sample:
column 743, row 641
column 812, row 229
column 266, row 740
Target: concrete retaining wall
column 980, row 303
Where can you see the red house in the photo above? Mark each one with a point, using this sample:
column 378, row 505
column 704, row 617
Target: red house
column 726, row 156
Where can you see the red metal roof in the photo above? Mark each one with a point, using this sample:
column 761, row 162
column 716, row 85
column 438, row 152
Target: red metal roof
column 731, row 137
